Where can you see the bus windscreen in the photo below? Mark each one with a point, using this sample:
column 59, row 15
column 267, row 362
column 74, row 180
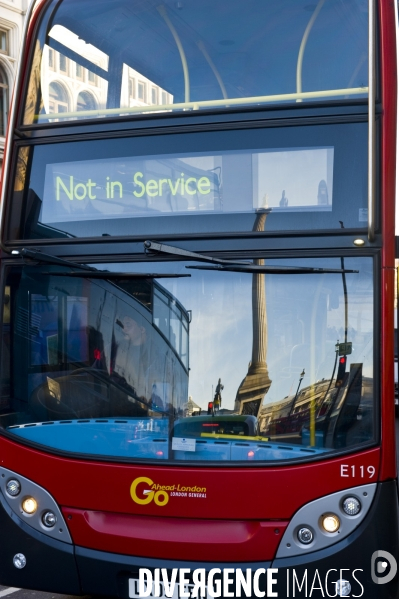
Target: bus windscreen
column 223, row 365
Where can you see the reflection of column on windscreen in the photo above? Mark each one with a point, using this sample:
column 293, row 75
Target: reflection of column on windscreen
column 256, row 383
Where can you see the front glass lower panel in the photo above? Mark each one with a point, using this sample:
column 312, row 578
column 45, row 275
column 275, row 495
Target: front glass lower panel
column 220, row 366
column 302, row 177
column 134, row 57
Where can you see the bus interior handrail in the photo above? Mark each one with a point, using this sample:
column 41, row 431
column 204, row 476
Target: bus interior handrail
column 227, row 103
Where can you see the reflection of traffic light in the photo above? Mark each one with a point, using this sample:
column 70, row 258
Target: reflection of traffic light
column 210, row 408
column 341, row 371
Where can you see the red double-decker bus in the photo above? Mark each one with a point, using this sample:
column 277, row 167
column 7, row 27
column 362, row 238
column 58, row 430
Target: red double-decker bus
column 197, row 280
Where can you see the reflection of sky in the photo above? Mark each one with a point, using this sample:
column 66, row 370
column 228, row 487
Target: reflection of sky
column 297, row 172
column 221, row 327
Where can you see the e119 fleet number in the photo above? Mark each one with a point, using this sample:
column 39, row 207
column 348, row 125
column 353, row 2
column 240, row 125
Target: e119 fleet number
column 348, row 471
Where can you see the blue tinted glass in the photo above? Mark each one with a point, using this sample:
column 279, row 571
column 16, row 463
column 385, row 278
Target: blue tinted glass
column 146, row 56
column 281, row 365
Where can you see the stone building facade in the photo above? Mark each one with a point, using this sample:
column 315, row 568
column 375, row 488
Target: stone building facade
column 12, row 16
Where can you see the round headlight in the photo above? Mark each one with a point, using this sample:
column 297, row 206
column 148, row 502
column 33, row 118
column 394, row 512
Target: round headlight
column 305, row 535
column 351, row 506
column 13, row 487
column 49, row 519
column 29, row 505
column 330, row 523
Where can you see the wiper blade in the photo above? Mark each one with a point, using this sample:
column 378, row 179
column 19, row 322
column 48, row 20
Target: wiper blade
column 238, row 265
column 276, row 270
column 161, row 248
column 104, row 274
column 48, row 259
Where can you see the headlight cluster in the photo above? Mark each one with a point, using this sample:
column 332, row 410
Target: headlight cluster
column 29, row 505
column 330, row 523
column 34, row 506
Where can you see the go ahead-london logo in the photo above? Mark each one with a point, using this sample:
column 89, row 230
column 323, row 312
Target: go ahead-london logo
column 144, row 490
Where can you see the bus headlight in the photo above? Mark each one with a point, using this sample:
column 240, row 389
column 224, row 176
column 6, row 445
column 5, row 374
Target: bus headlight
column 351, row 506
column 29, row 505
column 305, row 535
column 330, row 523
column 49, row 519
column 13, row 487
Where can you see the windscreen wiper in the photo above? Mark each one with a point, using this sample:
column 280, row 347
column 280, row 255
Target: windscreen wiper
column 274, row 270
column 48, row 259
column 106, row 274
column 161, row 248
column 237, row 265
column 94, row 273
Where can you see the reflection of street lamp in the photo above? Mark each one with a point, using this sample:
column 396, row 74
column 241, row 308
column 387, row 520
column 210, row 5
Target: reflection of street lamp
column 299, row 384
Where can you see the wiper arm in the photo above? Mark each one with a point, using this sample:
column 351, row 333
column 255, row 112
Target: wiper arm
column 105, row 274
column 94, row 273
column 161, row 248
column 48, row 259
column 273, row 270
column 238, row 265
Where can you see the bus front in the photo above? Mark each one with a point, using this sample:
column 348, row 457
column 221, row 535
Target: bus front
column 197, row 277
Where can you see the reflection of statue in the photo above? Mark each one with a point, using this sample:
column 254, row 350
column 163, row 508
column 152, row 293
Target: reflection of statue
column 256, row 383
column 322, row 194
column 284, row 200
column 217, row 400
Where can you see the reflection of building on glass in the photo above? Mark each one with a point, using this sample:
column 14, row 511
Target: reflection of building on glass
column 322, row 194
column 256, row 382
column 58, row 98
column 343, row 413
column 122, row 350
column 191, row 408
column 77, row 80
column 137, row 90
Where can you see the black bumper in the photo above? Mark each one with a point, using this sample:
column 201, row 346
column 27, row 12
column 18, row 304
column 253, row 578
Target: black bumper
column 61, row 568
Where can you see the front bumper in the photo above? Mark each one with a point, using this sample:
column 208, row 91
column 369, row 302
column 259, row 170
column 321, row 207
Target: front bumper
column 59, row 567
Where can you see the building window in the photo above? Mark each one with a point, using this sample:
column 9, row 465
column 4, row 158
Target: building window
column 79, row 71
column 86, row 101
column 58, row 99
column 51, row 58
column 4, row 41
column 153, row 95
column 164, row 98
column 92, row 77
column 141, row 91
column 63, row 63
column 131, row 88
column 3, row 102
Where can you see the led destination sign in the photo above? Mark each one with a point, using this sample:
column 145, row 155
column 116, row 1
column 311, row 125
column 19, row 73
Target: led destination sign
column 283, row 180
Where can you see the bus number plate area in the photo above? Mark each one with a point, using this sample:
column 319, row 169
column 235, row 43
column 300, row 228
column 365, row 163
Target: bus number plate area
column 135, row 594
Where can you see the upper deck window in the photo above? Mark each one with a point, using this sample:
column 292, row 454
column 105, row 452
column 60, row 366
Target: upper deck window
column 200, row 55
